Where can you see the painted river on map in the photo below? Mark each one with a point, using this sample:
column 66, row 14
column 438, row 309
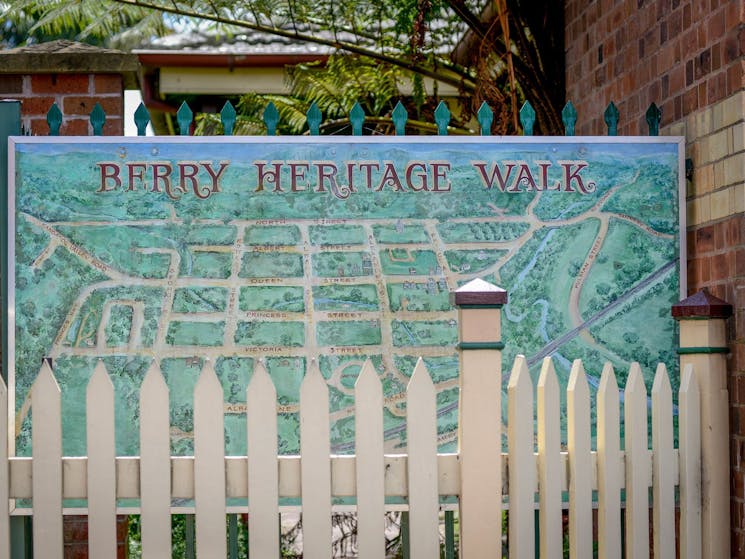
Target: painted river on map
column 118, row 257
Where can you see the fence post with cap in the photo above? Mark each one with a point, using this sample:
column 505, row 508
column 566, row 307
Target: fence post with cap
column 703, row 344
column 480, row 417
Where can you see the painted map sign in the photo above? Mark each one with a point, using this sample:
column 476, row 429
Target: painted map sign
column 333, row 249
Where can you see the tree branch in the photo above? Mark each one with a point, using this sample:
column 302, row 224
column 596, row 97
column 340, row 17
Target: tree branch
column 450, row 78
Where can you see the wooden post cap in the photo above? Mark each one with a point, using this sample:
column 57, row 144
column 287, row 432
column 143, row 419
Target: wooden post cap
column 701, row 305
column 479, row 293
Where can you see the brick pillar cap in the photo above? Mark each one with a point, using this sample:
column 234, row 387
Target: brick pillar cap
column 479, row 292
column 702, row 305
column 70, row 57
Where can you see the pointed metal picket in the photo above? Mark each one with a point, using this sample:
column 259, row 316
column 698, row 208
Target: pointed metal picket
column 232, row 536
column 155, row 465
column 521, row 461
column 4, row 474
column 184, row 117
column 663, row 466
column 527, row 118
column 227, row 117
column 189, row 551
column 357, row 118
column 263, row 475
column 98, row 119
column 689, row 437
column 209, row 464
column 271, row 119
column 580, row 463
column 54, row 119
column 46, row 468
column 442, row 118
column 100, row 437
column 569, row 118
column 421, row 437
column 315, row 474
column 611, row 116
column 609, row 465
column 399, row 116
column 142, row 119
column 653, row 116
column 485, row 116
column 549, row 463
column 637, row 462
column 314, row 118
column 370, row 464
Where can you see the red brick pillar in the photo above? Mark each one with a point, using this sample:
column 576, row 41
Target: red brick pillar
column 75, row 534
column 76, row 77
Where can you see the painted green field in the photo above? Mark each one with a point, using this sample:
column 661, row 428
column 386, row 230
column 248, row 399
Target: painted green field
column 287, row 334
column 203, row 234
column 200, row 299
column 348, row 333
column 339, row 264
column 411, row 296
column 400, row 233
column 627, row 256
column 479, row 232
column 207, row 264
column 333, row 297
column 337, row 235
column 473, row 261
column 409, row 262
column 271, row 265
column 195, row 333
column 424, row 333
column 117, row 331
column 272, row 235
column 272, row 298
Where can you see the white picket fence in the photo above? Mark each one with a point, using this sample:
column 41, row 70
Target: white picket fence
column 535, row 465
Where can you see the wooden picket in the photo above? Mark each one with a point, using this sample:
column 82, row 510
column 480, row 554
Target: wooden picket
column 421, row 476
column 46, row 450
column 155, row 465
column 580, row 463
column 637, row 464
column 663, row 462
column 263, row 477
column 209, row 464
column 521, row 461
column 315, row 476
column 421, row 437
column 550, row 474
column 689, row 429
column 609, row 466
column 101, row 465
column 370, row 465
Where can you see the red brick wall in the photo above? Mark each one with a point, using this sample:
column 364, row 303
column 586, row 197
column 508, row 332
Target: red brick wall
column 75, row 535
column 680, row 54
column 75, row 95
column 687, row 56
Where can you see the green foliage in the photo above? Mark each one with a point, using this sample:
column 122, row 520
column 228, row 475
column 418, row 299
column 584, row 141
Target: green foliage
column 116, row 24
column 345, row 80
column 453, row 42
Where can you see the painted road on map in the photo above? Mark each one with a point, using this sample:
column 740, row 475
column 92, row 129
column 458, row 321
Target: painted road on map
column 120, row 255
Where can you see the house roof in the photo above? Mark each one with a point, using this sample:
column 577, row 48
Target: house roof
column 253, row 43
